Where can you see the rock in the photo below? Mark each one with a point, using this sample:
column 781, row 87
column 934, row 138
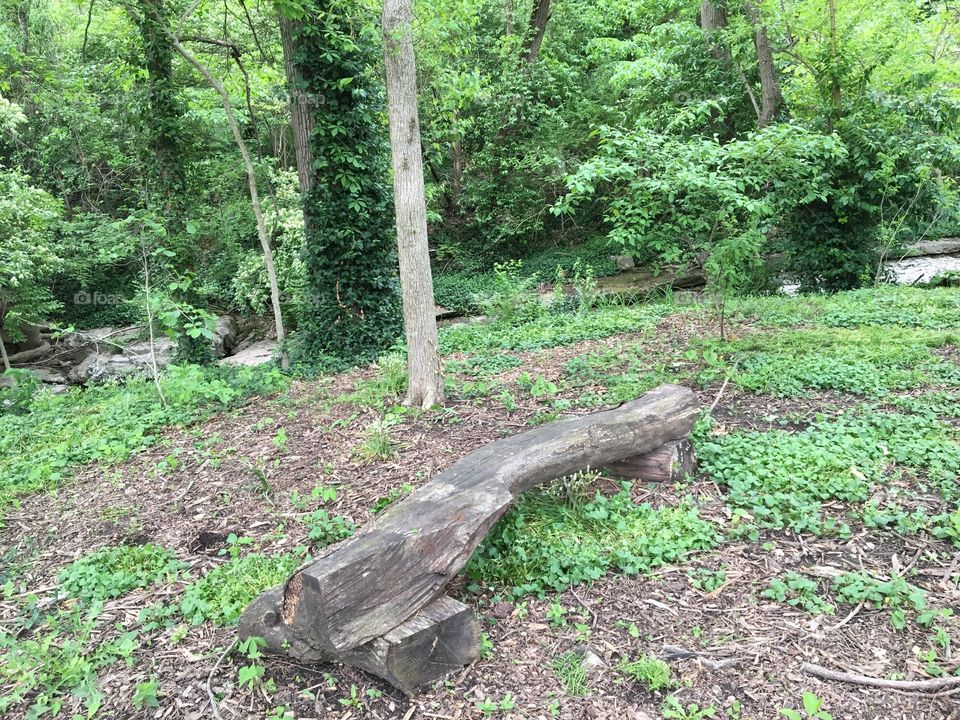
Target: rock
column 624, row 262
column 224, row 336
column 502, row 610
column 50, row 376
column 259, row 353
column 590, row 662
column 100, row 366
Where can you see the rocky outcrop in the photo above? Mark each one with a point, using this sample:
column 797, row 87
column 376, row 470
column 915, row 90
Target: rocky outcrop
column 113, row 363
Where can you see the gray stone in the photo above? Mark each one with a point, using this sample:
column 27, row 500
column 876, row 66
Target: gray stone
column 624, row 262
column 224, row 336
column 136, row 358
column 259, row 353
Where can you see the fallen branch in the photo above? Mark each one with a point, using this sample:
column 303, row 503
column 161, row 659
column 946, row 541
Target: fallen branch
column 216, row 666
column 818, row 671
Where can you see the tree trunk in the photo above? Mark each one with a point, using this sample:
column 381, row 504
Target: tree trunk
column 425, row 379
column 771, row 100
column 254, row 192
column 301, row 110
column 163, row 119
column 712, row 18
column 834, row 77
column 538, row 26
column 398, row 564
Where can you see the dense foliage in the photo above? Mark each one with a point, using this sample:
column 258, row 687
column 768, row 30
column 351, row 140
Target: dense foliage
column 634, row 129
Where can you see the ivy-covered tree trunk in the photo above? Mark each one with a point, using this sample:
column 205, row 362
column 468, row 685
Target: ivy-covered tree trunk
column 352, row 308
column 425, row 379
column 299, row 100
column 163, row 119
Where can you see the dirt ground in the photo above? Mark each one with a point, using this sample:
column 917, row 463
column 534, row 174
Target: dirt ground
column 724, row 646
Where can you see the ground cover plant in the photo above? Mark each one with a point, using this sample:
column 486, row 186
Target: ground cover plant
column 820, row 501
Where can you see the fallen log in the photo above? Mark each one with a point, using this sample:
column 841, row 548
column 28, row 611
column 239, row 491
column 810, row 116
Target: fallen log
column 671, row 462
column 365, row 589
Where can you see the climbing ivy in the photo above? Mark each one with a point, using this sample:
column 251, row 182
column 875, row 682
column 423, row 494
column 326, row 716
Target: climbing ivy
column 352, row 304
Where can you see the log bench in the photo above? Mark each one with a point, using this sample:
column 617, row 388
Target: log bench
column 376, row 600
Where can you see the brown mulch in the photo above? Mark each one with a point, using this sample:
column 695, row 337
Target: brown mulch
column 199, row 484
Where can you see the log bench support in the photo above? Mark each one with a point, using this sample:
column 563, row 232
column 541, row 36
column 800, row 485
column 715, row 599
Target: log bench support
column 376, row 600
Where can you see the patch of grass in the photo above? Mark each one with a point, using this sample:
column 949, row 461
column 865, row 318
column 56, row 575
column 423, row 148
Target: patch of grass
column 377, row 443
column 548, row 543
column 114, row 571
column 568, row 667
column 107, row 423
column 780, row 479
column 650, row 672
column 385, row 388
column 937, row 309
column 871, row 361
column 55, row 668
column 550, row 330
column 222, row 594
column 482, row 366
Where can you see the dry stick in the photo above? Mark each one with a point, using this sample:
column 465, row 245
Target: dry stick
column 153, row 350
column 723, row 388
column 3, row 354
column 216, row 666
column 818, row 671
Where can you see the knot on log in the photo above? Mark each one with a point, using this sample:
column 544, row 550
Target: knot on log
column 376, row 600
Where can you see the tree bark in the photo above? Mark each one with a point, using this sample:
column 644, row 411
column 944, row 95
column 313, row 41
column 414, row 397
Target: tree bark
column 425, row 379
column 771, row 100
column 398, row 564
column 834, row 77
column 254, row 192
column 440, row 639
column 671, row 462
column 538, row 27
column 301, row 112
column 164, row 116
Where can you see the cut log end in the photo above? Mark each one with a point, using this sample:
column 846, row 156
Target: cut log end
column 671, row 462
column 440, row 639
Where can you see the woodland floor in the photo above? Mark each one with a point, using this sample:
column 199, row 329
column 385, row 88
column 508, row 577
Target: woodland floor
column 192, row 504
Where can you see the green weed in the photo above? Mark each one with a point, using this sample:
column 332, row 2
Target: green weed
column 545, row 544
column 650, row 672
column 114, row 571
column 222, row 594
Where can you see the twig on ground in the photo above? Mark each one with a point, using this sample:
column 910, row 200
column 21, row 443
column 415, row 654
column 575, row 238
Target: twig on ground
column 216, row 666
column 818, row 671
column 723, row 388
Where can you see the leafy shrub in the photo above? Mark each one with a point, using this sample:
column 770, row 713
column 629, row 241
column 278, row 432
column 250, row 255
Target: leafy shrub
column 114, row 571
column 223, row 594
column 58, row 665
column 545, row 544
column 16, row 399
column 869, row 361
column 896, row 594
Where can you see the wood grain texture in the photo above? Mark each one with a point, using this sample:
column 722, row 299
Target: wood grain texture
column 671, row 462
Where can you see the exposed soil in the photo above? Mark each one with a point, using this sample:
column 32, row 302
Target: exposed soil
column 198, row 485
